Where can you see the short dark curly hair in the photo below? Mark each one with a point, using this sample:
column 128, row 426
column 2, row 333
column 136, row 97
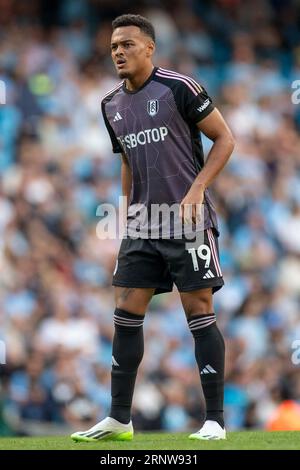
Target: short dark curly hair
column 135, row 20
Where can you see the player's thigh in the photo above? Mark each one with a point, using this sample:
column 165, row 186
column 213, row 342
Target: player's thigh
column 140, row 272
column 133, row 299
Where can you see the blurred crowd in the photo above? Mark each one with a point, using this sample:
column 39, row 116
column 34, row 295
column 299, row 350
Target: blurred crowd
column 56, row 167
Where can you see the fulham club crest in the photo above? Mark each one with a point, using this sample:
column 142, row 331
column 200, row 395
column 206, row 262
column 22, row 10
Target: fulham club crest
column 152, row 107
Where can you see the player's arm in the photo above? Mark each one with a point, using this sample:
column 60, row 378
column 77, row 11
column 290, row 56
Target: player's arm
column 126, row 179
column 216, row 129
column 126, row 176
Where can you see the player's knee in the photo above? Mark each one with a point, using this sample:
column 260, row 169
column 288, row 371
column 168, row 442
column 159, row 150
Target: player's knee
column 131, row 300
column 131, row 306
column 198, row 305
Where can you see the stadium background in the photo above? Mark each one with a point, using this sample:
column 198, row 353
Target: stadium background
column 56, row 167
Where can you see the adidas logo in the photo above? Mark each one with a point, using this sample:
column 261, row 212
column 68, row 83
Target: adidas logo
column 114, row 362
column 208, row 275
column 208, row 370
column 117, row 117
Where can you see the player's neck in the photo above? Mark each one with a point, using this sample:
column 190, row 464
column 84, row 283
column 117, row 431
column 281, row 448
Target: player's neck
column 138, row 80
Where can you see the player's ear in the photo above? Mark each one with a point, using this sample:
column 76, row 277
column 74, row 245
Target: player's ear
column 150, row 49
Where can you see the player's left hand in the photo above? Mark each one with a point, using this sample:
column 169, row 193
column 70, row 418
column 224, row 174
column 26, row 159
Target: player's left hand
column 190, row 208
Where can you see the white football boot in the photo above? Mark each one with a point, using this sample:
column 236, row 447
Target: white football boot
column 211, row 430
column 108, row 429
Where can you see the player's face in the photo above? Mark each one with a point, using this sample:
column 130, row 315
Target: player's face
column 131, row 50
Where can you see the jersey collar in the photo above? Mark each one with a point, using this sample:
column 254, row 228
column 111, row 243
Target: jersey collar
column 133, row 92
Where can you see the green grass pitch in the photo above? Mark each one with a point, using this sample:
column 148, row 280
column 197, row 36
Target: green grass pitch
column 162, row 441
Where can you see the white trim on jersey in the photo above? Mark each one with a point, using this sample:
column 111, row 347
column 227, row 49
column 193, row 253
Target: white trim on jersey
column 112, row 90
column 190, row 79
column 180, row 79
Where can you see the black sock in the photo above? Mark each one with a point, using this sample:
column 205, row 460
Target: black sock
column 127, row 353
column 210, row 356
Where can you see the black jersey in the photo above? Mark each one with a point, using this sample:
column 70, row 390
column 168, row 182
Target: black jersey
column 155, row 126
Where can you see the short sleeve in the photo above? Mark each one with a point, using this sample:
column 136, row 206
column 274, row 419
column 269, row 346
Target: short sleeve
column 116, row 147
column 195, row 104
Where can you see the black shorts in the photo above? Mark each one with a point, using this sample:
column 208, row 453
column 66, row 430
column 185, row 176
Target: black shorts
column 160, row 263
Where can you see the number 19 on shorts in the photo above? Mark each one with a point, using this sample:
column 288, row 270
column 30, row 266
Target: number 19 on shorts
column 203, row 252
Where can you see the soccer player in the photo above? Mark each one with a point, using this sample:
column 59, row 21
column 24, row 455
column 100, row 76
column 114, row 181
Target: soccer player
column 154, row 117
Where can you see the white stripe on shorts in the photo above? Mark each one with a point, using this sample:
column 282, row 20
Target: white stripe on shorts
column 214, row 251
